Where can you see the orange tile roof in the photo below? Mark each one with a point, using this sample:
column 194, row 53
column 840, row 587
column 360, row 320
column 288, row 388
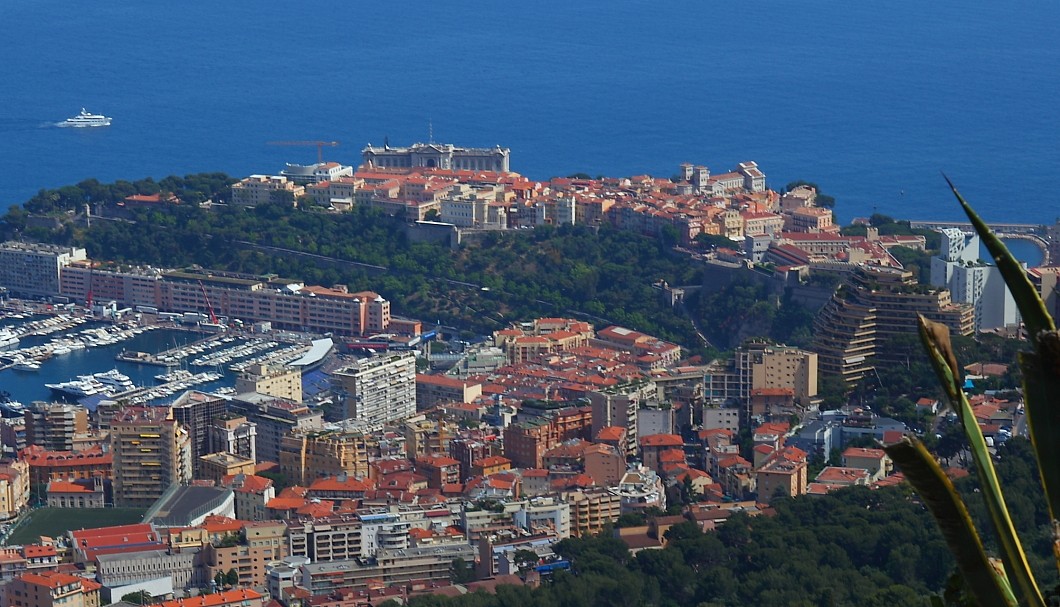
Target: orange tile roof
column 221, row 524
column 493, row 460
column 611, row 433
column 860, row 452
column 32, row 551
column 662, row 440
column 334, row 484
column 67, row 487
column 286, row 503
column 227, row 597
column 50, row 579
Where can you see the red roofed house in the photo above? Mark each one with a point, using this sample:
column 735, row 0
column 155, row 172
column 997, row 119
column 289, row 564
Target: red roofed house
column 875, row 461
column 653, row 445
column 339, row 487
column 605, row 464
column 490, row 465
column 228, row 598
column 783, row 473
column 81, row 493
column 252, row 494
column 614, row 436
column 40, row 556
column 834, row 477
column 439, row 470
column 51, row 589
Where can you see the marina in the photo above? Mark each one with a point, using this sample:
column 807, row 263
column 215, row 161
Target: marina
column 63, row 348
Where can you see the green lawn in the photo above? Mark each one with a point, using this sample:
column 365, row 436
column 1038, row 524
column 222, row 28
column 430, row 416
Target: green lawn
column 56, row 521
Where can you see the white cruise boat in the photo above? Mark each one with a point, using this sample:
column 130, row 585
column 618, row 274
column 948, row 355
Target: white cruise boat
column 86, row 119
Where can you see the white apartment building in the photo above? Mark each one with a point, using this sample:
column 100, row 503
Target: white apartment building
column 380, row 389
column 972, row 281
column 34, row 270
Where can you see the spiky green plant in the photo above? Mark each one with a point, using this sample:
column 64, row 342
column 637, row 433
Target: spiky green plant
column 1009, row 582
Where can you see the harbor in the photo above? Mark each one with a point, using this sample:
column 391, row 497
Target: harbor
column 161, row 361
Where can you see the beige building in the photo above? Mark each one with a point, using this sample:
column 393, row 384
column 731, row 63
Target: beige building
column 274, row 418
column 216, row 466
column 14, row 488
column 282, row 382
column 263, row 189
column 591, row 510
column 305, row 456
column 434, row 390
column 286, row 303
column 783, row 475
column 778, row 367
column 151, row 452
column 130, row 286
column 261, row 543
column 51, row 589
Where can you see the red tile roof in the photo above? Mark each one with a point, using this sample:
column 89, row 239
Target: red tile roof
column 662, row 440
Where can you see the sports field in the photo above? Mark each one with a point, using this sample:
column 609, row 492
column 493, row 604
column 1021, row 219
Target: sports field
column 56, row 521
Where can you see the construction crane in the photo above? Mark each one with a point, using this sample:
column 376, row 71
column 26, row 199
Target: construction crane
column 209, row 307
column 320, row 146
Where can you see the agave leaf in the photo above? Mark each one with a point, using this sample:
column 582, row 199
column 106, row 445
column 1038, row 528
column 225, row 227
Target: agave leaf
column 1032, row 309
column 1041, row 384
column 988, row 584
column 936, row 339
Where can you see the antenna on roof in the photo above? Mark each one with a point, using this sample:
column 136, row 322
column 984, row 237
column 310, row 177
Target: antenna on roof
column 430, row 131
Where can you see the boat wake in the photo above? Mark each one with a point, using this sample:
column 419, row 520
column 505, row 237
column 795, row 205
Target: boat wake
column 15, row 125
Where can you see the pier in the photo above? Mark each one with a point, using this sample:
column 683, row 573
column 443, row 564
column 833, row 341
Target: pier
column 1036, row 233
column 997, row 227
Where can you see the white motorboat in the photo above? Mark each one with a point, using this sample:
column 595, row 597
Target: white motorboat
column 86, row 119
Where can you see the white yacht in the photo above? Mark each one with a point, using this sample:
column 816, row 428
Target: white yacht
column 85, row 119
column 114, row 381
column 8, row 338
column 106, row 383
column 27, row 365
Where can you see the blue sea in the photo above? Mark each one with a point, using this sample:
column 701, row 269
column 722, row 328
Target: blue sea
column 869, row 99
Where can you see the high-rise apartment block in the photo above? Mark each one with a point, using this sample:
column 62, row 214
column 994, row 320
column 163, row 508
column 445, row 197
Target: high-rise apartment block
column 972, row 281
column 151, row 452
column 232, row 433
column 54, row 426
column 379, row 389
column 196, row 411
column 274, row 418
column 876, row 303
column 305, row 456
